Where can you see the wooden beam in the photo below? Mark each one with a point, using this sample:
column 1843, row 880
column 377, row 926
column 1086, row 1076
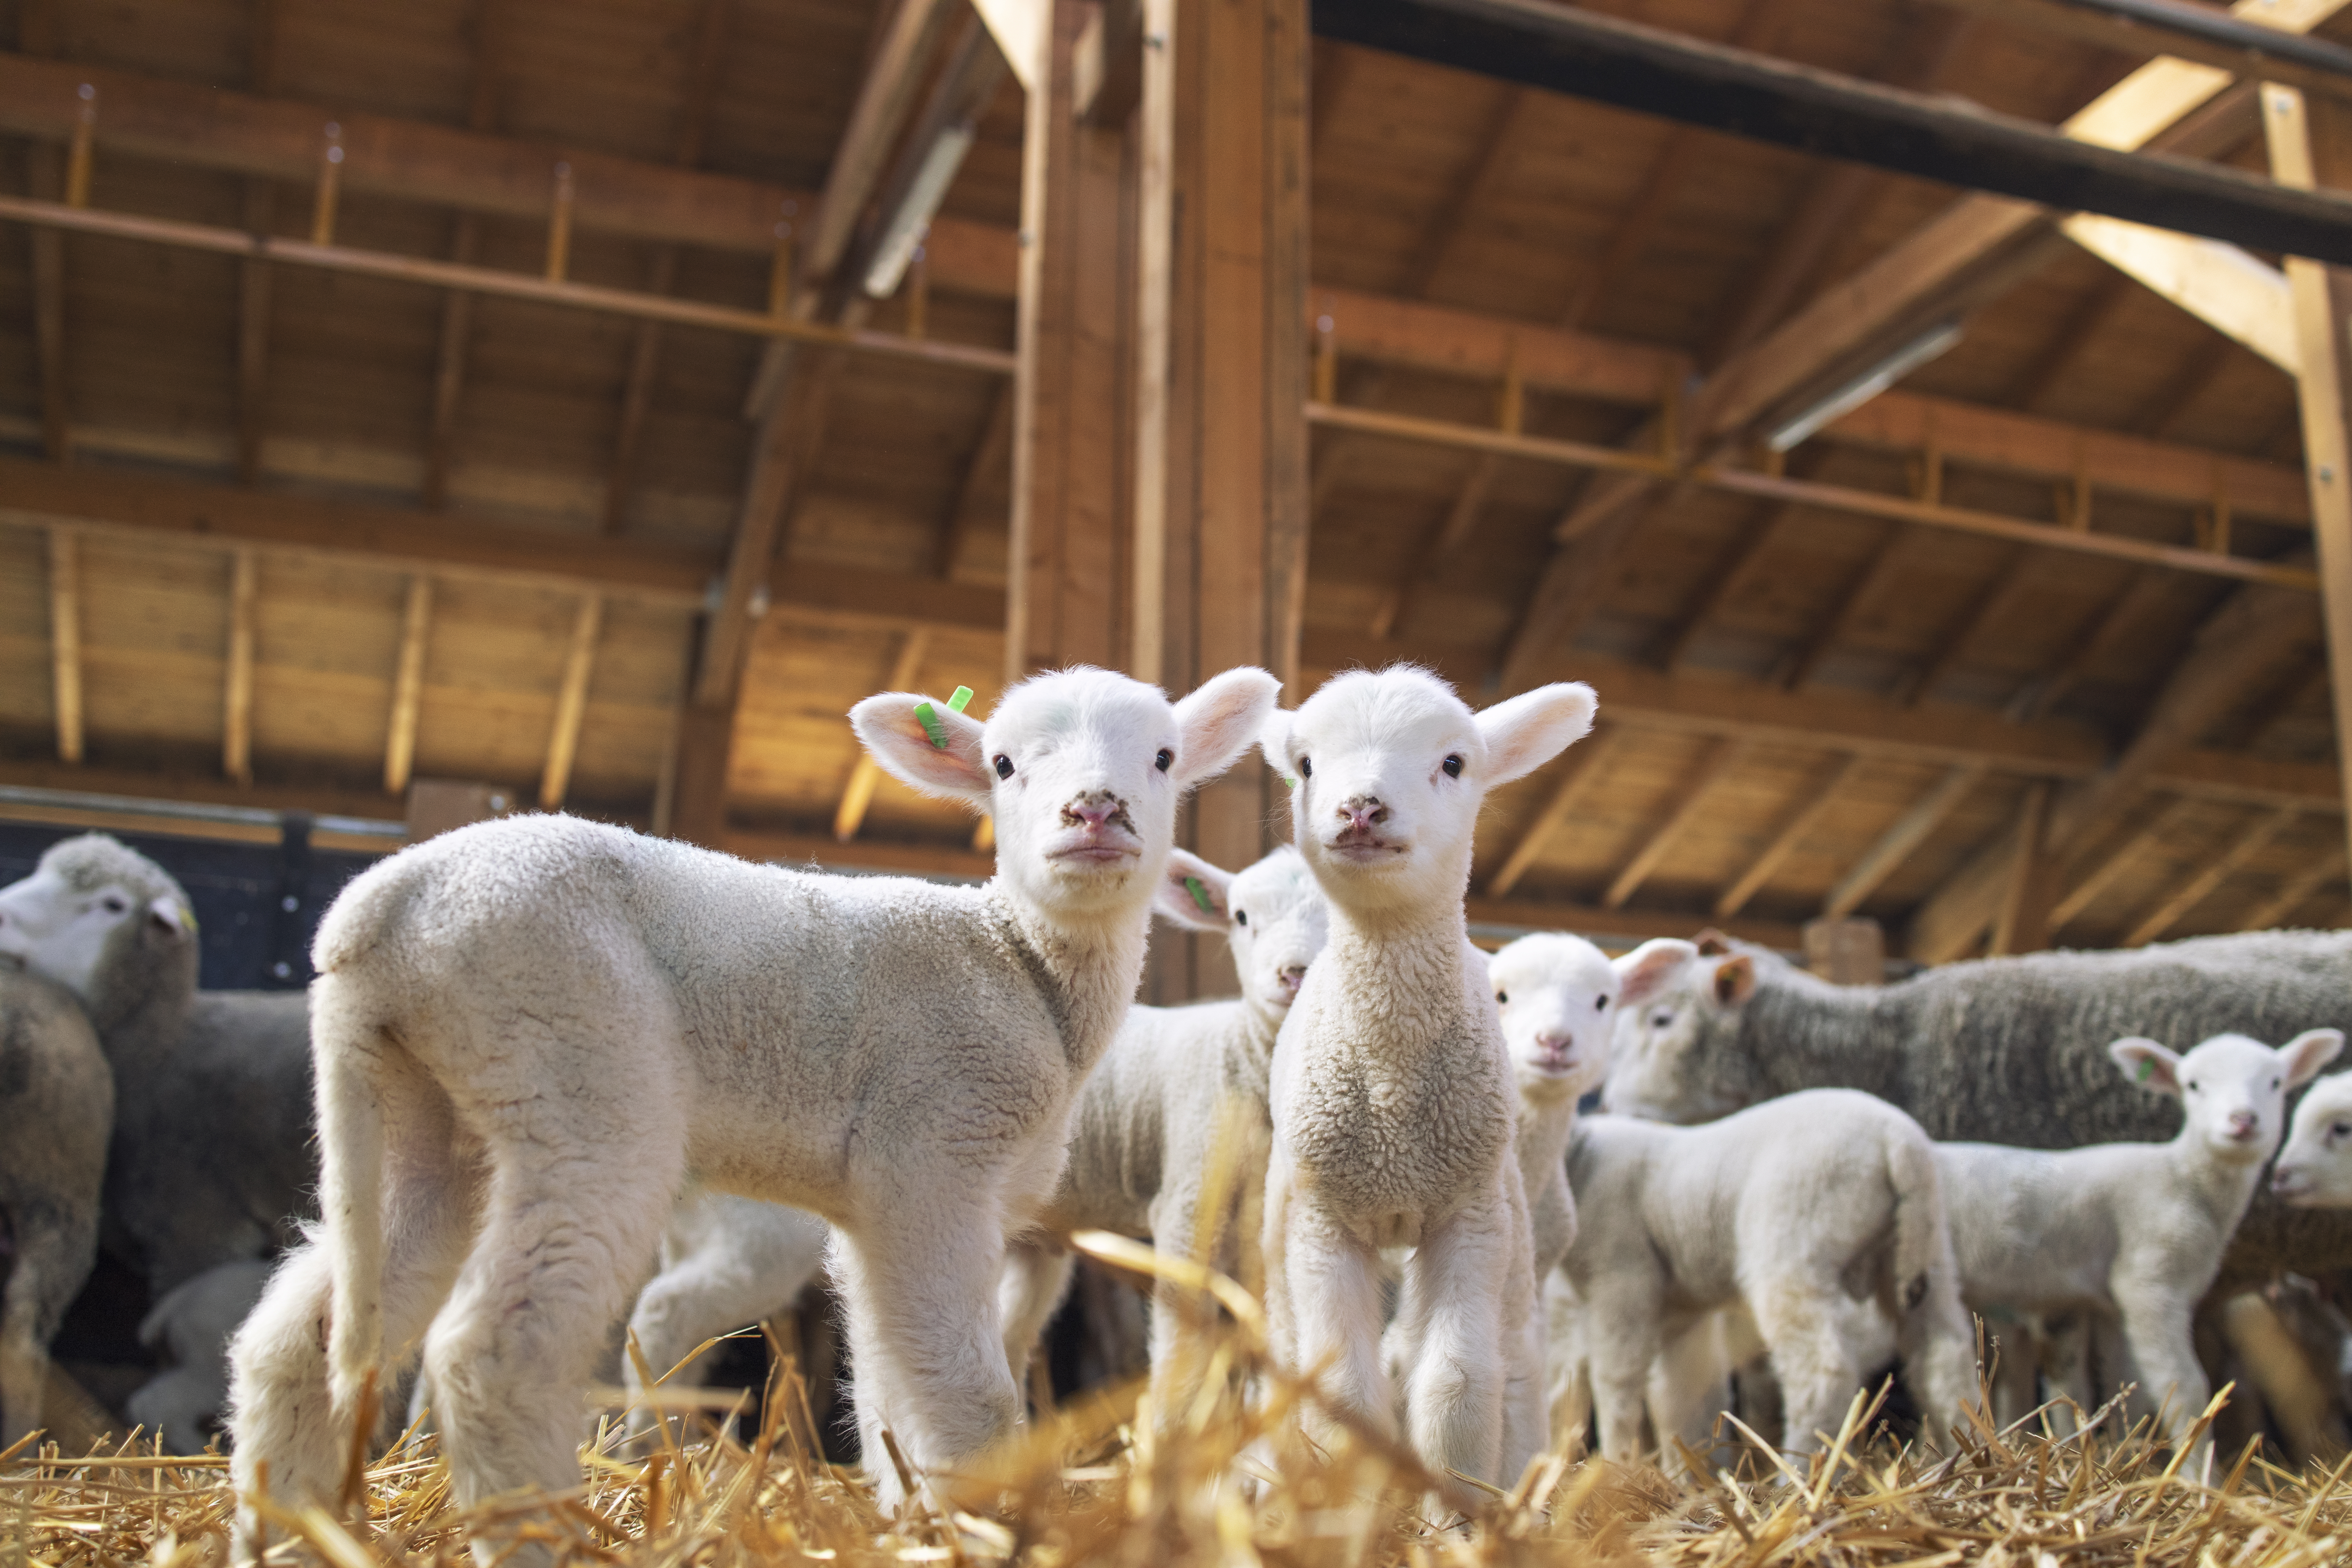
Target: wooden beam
column 449, row 366
column 1717, row 763
column 1578, row 775
column 570, row 704
column 988, row 460
column 1589, row 54
column 2183, row 31
column 858, row 792
column 2087, row 886
column 2009, row 584
column 1814, row 805
column 2219, row 284
column 1861, row 593
column 1413, row 334
column 408, row 686
column 236, row 699
column 2320, row 395
column 1773, row 524
column 1450, row 535
column 1886, row 855
column 441, row 165
column 253, row 336
column 705, row 745
column 45, row 182
column 2295, row 892
column 64, row 641
column 2023, row 923
column 2250, row 841
column 1499, row 140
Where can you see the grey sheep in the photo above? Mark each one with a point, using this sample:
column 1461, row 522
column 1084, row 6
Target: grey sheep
column 2008, row 1051
column 56, row 1107
column 212, row 1161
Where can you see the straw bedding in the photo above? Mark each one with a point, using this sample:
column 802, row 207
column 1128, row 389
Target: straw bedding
column 1236, row 1486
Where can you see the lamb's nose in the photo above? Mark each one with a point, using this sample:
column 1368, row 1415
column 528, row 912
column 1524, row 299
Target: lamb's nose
column 2243, row 1123
column 1094, row 810
column 1362, row 811
column 1291, row 975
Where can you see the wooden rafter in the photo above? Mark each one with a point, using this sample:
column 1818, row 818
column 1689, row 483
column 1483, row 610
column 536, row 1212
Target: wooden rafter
column 64, row 641
column 1885, row 856
column 1583, row 769
column 408, row 686
column 987, row 461
column 2295, row 892
column 1451, row 533
column 1862, row 592
column 571, row 702
column 1816, row 805
column 2134, row 847
column 49, row 312
column 857, row 793
column 1500, row 139
column 464, row 249
column 2250, row 841
column 1722, row 755
column 253, row 275
column 2010, row 582
column 2022, row 924
column 2085, row 325
column 1770, row 525
column 2096, row 636
column 237, row 698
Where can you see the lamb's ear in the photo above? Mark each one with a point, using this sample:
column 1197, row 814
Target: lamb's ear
column 1644, row 973
column 1712, row 944
column 2150, row 1064
column 890, row 728
column 1217, row 722
column 1735, row 980
column 2309, row 1052
column 1534, row 727
column 1274, row 740
column 1191, row 894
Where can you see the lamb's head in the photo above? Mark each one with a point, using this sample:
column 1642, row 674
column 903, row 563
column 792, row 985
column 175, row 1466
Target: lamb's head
column 1557, row 996
column 1388, row 770
column 104, row 921
column 2232, row 1090
column 1677, row 1055
column 2315, row 1169
column 1082, row 770
column 1271, row 914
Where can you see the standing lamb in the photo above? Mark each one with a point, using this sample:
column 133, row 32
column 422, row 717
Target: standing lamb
column 1391, row 1089
column 1180, row 1088
column 192, row 1326
column 2011, row 1050
column 211, row 1161
column 531, row 1033
column 56, row 1107
column 725, row 1261
column 1794, row 1210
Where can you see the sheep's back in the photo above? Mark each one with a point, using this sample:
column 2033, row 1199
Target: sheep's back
column 57, row 1103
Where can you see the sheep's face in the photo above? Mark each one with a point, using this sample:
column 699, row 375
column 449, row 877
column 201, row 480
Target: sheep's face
column 1082, row 770
column 1557, row 997
column 1271, row 914
column 2232, row 1090
column 2315, row 1169
column 91, row 907
column 1674, row 1056
column 1387, row 772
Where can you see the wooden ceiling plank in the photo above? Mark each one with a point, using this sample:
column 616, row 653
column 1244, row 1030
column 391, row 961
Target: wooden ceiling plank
column 1452, row 532
column 2087, row 886
column 408, row 686
column 1893, row 846
column 2174, row 906
column 1814, row 805
column 253, row 275
column 64, row 641
column 2295, row 892
column 1583, row 769
column 2085, row 324
column 1661, row 183
column 2165, row 407
column 988, row 460
column 1997, row 598
column 237, row 698
column 857, row 794
column 570, row 704
column 1722, row 756
column 464, row 249
column 45, row 183
column 1862, row 593
column 1499, row 140
column 2023, row 923
column 2097, row 634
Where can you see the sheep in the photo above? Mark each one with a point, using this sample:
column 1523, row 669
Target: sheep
column 2134, row 1232
column 192, row 1326
column 56, row 1109
column 2010, row 1050
column 725, row 1261
column 2314, row 1168
column 1794, row 1209
column 1180, row 1090
column 211, row 1160
column 530, row 1033
column 1392, row 1094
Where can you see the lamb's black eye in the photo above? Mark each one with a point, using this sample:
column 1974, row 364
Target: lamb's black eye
column 2274, row 1083
column 114, row 906
column 1502, row 995
column 1600, row 1004
column 1004, row 766
column 1452, row 767
column 2193, row 1085
column 1306, row 767
column 2342, row 1130
column 1164, row 759
column 1241, row 917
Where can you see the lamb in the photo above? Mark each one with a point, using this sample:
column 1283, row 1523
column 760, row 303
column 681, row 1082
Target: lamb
column 2315, row 1169
column 2010, row 1050
column 531, row 1033
column 2134, row 1232
column 1392, row 1093
column 192, row 1326
column 211, row 1160
column 725, row 1261
column 1794, row 1209
column 1180, row 1090
column 57, row 1107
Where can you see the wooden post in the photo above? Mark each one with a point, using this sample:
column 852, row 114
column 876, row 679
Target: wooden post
column 2023, row 925
column 2303, row 160
column 408, row 686
column 65, row 639
column 1848, row 951
column 237, row 703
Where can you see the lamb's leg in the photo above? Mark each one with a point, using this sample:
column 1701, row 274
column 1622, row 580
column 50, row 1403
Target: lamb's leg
column 1037, row 1277
column 1690, row 1384
column 1526, row 1432
column 28, row 1319
column 1462, row 1278
column 1333, row 1288
column 1818, row 1372
column 713, row 1290
column 2156, row 1328
column 918, row 1286
column 1937, row 1344
column 1569, row 1369
column 2065, row 1363
column 1622, row 1338
column 1180, row 1350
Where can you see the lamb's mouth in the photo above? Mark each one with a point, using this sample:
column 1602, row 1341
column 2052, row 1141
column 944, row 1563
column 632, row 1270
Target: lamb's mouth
column 1364, row 851
column 2290, row 1185
column 1096, row 854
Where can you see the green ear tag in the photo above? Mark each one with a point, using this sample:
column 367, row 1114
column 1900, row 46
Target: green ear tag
column 1199, row 895
column 963, row 696
column 188, row 918
column 2147, row 1068
column 928, row 717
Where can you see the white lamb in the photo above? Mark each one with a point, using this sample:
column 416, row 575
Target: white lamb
column 1153, row 1115
column 1795, row 1210
column 2131, row 1233
column 531, row 1033
column 1393, row 1100
column 2314, row 1168
column 190, row 1327
column 726, row 1262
